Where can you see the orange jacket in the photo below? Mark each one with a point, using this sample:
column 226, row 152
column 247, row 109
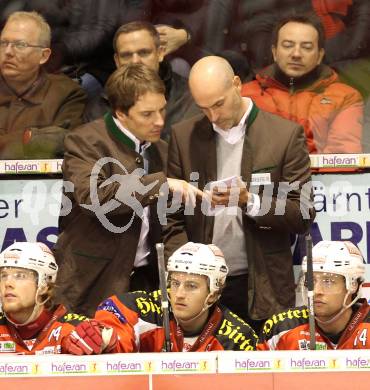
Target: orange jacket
column 289, row 330
column 48, row 341
column 137, row 318
column 330, row 112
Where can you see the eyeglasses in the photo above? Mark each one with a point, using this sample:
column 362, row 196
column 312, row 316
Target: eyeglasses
column 18, row 276
column 18, row 45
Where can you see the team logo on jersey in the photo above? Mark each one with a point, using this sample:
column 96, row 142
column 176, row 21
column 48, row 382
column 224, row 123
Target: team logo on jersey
column 7, row 346
column 304, row 345
column 109, row 305
column 30, row 343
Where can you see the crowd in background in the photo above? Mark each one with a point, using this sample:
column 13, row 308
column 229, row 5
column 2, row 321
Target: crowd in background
column 236, row 89
column 241, row 31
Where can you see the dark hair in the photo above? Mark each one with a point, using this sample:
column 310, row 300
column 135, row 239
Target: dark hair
column 128, row 83
column 310, row 19
column 136, row 26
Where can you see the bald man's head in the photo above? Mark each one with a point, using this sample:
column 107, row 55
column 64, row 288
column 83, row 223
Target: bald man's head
column 216, row 90
column 215, row 70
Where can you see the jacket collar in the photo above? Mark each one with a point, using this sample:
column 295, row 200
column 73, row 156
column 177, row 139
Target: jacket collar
column 116, row 132
column 207, row 142
column 35, row 94
column 316, row 80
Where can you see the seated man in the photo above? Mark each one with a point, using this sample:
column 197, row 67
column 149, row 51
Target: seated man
column 139, row 42
column 36, row 108
column 342, row 318
column 30, row 322
column 298, row 87
column 196, row 277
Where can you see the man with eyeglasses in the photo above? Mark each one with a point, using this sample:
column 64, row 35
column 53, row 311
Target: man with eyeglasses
column 196, row 277
column 30, row 320
column 139, row 42
column 36, row 108
column 342, row 316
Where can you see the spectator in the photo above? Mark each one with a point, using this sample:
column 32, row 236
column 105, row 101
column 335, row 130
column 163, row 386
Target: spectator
column 30, row 322
column 298, row 87
column 83, row 30
column 139, row 42
column 245, row 26
column 36, row 108
column 116, row 165
column 196, row 277
column 233, row 138
column 341, row 315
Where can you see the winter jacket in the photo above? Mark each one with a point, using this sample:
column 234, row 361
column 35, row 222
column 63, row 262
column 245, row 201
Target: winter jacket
column 330, row 112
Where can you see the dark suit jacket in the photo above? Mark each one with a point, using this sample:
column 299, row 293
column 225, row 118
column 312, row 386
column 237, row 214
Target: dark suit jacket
column 273, row 145
column 94, row 261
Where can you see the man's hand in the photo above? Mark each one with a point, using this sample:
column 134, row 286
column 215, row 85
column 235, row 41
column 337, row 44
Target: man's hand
column 188, row 192
column 89, row 337
column 171, row 38
column 234, row 195
column 44, row 142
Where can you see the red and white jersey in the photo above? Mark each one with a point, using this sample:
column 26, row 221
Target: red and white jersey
column 137, row 318
column 47, row 341
column 289, row 330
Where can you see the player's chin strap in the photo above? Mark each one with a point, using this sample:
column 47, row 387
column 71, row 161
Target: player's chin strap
column 35, row 312
column 205, row 308
column 342, row 310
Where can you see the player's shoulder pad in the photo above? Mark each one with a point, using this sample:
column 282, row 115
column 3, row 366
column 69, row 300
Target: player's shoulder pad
column 72, row 318
column 284, row 321
column 143, row 303
column 235, row 334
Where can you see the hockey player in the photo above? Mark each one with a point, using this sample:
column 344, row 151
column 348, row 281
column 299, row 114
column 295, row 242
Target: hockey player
column 30, row 323
column 342, row 317
column 196, row 275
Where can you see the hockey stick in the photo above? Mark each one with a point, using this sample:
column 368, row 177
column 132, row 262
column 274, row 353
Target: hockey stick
column 164, row 296
column 310, row 288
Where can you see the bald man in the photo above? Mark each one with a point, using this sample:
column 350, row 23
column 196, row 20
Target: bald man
column 268, row 158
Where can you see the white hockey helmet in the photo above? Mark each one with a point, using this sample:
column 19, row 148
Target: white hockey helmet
column 200, row 259
column 35, row 256
column 338, row 257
